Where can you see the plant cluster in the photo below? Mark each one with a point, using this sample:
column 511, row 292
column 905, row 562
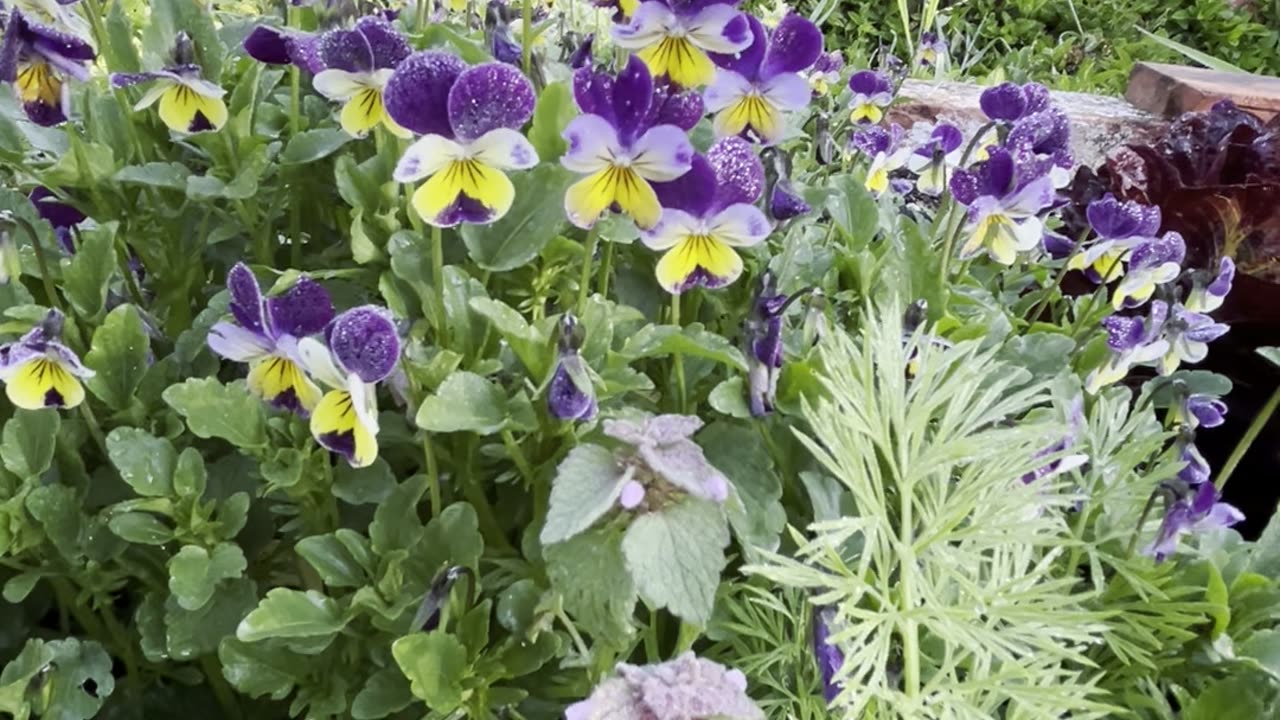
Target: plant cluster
column 626, row 363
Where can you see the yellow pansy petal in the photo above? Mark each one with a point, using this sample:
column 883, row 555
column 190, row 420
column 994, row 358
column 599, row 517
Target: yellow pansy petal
column 363, row 112
column 636, row 197
column 282, row 383
column 878, row 180
column 628, row 7
column 464, row 191
column 867, row 112
column 751, row 111
column 336, row 427
column 679, row 59
column 38, row 82
column 43, row 382
column 698, row 260
column 588, row 198
column 185, row 110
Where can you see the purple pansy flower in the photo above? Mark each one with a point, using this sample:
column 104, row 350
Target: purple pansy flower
column 279, row 46
column 1120, row 227
column 188, row 102
column 1153, row 262
column 627, row 137
column 1198, row 410
column 872, row 93
column 825, row 72
column 756, row 86
column 470, row 120
column 887, row 151
column 707, row 213
column 582, row 56
column 1188, row 335
column 1205, row 296
column 686, row 688
column 1064, row 463
column 935, row 159
column 38, row 58
column 1004, row 196
column 784, row 202
column 933, row 50
column 364, row 349
column 827, row 654
column 266, row 333
column 60, row 215
column 571, row 396
column 663, row 444
column 1010, row 102
column 1198, row 512
column 1047, row 134
column 358, row 65
column 674, row 37
column 1195, row 469
column 38, row 371
column 1132, row 341
column 763, row 335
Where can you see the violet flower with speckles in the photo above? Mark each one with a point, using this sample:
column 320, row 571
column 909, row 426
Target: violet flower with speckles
column 872, row 93
column 756, row 86
column 887, row 151
column 825, row 72
column 629, row 135
column 937, row 159
column 1132, row 341
column 1154, row 262
column 570, row 396
column 38, row 59
column 1188, row 335
column 1120, row 227
column 358, row 65
column 470, row 119
column 1010, row 102
column 364, row 348
column 1198, row 511
column 1005, row 196
column 707, row 214
column 266, row 333
column 283, row 46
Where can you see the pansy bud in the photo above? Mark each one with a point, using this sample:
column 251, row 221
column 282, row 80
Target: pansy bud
column 503, row 47
column 582, row 56
column 1198, row 510
column 824, row 145
column 815, row 318
column 1208, row 291
column 184, row 51
column 763, row 335
column 784, row 202
column 571, row 395
column 829, row 657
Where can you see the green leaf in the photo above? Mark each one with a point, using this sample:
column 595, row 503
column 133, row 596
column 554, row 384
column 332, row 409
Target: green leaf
column 258, row 669
column 853, row 210
column 288, row 613
column 526, row 341
column 590, row 572
column 1272, row 354
column 1205, row 59
column 119, row 357
column 440, row 34
column 77, row 680
column 120, row 52
column 533, row 220
column 360, row 184
column 756, row 511
column 385, row 692
column 436, row 665
column 194, row 573
column 192, row 633
column 675, row 557
column 464, row 402
column 453, row 538
column 85, row 163
column 551, row 116
column 141, row 528
column 1241, row 696
column 18, row 587
column 1263, row 646
column 332, row 561
column 167, row 175
column 190, row 477
column 86, row 276
column 363, row 486
column 1040, row 354
column 28, row 441
column 311, row 145
column 395, row 523
column 57, row 509
column 587, row 486
column 1218, row 599
column 692, row 341
column 212, row 409
column 730, row 398
column 518, row 606
column 145, row 461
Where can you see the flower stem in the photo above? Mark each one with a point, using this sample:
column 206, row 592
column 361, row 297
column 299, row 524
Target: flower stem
column 221, row 690
column 1246, row 441
column 421, row 23
column 584, row 281
column 517, row 456
column 43, row 264
column 526, row 39
column 606, row 269
column 433, row 474
column 437, row 279
column 677, row 359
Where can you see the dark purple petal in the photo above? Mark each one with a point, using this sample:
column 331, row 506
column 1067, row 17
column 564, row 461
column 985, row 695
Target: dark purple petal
column 566, row 399
column 593, row 91
column 784, row 202
column 45, row 114
column 739, row 172
column 1003, row 102
column 304, row 51
column 872, row 141
column 1124, row 332
column 829, row 62
column 693, row 192
column 364, row 340
column 1196, row 471
column 944, row 139
column 1208, row 411
column 65, row 51
column 417, row 95
column 1036, row 97
column 269, row 45
column 465, row 210
column 304, row 309
column 1202, row 328
column 1047, row 132
column 632, row 96
column 504, row 48
column 795, row 45
column 1058, row 246
column 1157, row 251
column 582, row 56
column 11, row 46
column 747, row 63
column 246, row 298
column 1116, row 220
column 487, row 97
column 829, row 657
column 57, row 213
column 869, row 82
column 124, row 80
column 1221, row 285
column 964, row 187
column 388, row 46
column 346, row 50
column 997, row 174
column 673, row 107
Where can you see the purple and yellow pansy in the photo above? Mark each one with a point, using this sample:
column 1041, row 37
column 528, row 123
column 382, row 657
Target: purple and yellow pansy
column 188, row 102
column 627, row 136
column 674, row 37
column 707, row 214
column 470, row 120
column 756, row 86
column 38, row 59
column 38, row 371
column 363, row 349
column 266, row 333
column 872, row 93
column 1004, row 196
column 358, row 64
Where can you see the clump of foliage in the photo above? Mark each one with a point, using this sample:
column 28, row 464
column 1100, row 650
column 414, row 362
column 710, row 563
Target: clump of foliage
column 445, row 361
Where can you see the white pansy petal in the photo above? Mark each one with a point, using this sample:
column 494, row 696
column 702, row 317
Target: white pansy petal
column 364, row 400
column 235, row 343
column 663, row 154
column 339, row 84
column 740, row 225
column 504, row 149
column 152, row 95
column 674, row 226
column 427, row 156
column 787, row 91
column 1028, row 233
column 317, row 361
column 707, row 29
column 728, row 88
column 204, row 87
column 651, row 22
column 593, row 144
